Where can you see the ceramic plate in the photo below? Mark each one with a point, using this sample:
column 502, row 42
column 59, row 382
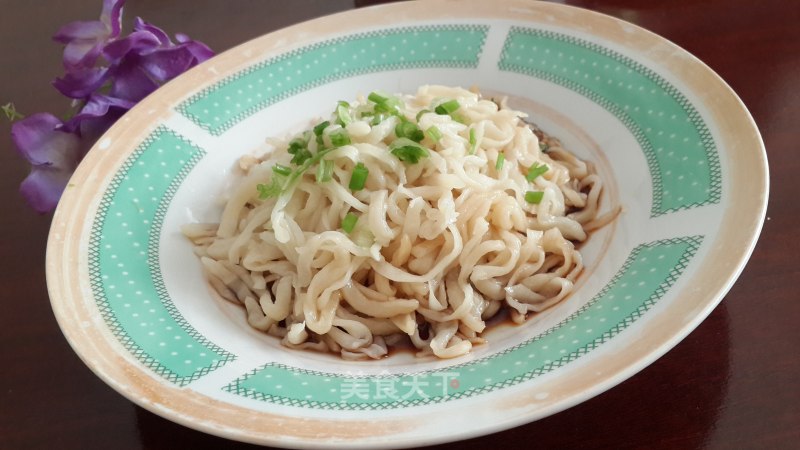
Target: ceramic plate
column 681, row 154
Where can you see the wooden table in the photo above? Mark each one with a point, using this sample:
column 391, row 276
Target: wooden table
column 733, row 383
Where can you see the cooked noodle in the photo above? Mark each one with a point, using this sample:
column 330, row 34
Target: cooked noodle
column 439, row 245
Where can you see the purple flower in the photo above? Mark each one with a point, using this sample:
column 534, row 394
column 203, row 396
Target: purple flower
column 97, row 115
column 53, row 155
column 84, row 40
column 137, row 65
column 106, row 74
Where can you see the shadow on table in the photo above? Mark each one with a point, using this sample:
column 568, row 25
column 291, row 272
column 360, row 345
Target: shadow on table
column 673, row 403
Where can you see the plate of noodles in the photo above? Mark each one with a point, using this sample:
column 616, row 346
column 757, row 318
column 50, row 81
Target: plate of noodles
column 370, row 229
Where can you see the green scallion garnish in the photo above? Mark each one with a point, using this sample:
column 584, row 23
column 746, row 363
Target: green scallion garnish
column 301, row 155
column 349, row 222
column 359, row 177
column 321, row 127
column 296, row 145
column 535, row 170
column 384, row 103
column 447, row 107
column 343, row 116
column 407, row 150
column 324, row 171
column 501, row 159
column 376, row 98
column 340, row 138
column 421, row 113
column 378, row 118
column 472, row 141
column 280, row 169
column 275, row 187
column 543, row 147
column 434, row 133
column 409, row 130
column 534, row 197
column 318, row 131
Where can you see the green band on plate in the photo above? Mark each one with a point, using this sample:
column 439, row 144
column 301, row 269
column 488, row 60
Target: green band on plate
column 679, row 148
column 230, row 101
column 124, row 268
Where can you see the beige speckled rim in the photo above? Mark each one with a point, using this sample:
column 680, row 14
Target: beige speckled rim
column 85, row 330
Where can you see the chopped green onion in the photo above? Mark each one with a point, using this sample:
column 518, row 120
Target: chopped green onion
column 321, row 127
column 340, row 138
column 275, row 187
column 384, row 103
column 296, row 145
column 300, row 156
column 434, row 133
column 318, row 130
column 359, row 177
column 535, row 170
column 266, row 191
column 324, row 171
column 534, row 197
column 280, row 169
column 501, row 158
column 422, row 113
column 378, row 118
column 447, row 107
column 408, row 151
column 343, row 116
column 472, row 141
column 281, row 183
column 349, row 222
column 409, row 130
column 543, row 147
column 376, row 98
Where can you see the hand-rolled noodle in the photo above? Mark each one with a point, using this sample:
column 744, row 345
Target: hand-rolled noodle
column 411, row 218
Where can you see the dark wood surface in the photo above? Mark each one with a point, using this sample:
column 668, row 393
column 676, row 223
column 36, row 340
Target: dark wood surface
column 732, row 383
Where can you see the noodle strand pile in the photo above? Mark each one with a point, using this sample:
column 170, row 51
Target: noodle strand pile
column 465, row 211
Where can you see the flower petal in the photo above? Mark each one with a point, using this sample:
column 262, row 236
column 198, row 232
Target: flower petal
column 111, row 16
column 81, row 82
column 92, row 30
column 139, row 42
column 161, row 35
column 166, row 64
column 197, row 48
column 80, row 55
column 43, row 188
column 101, row 110
column 40, row 140
column 130, row 81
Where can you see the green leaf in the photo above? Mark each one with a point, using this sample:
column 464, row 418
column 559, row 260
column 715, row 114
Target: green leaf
column 11, row 113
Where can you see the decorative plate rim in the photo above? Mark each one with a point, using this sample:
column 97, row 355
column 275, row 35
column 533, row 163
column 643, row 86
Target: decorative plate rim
column 68, row 243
